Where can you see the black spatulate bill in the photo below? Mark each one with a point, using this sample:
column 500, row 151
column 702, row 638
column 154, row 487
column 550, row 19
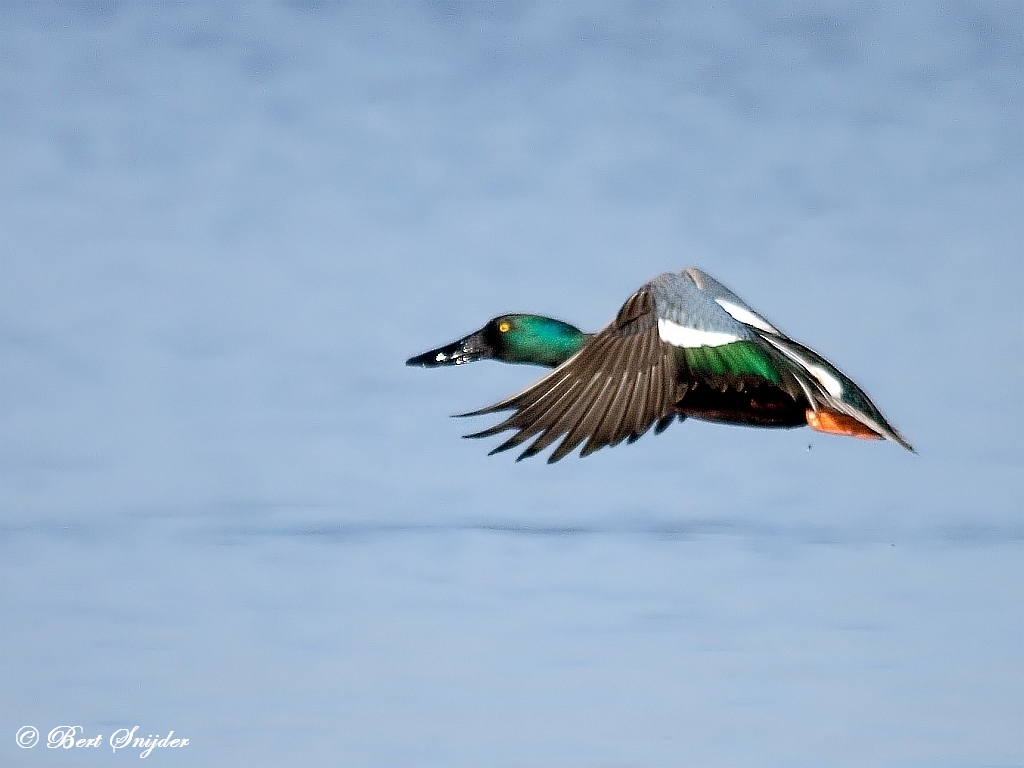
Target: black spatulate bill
column 476, row 346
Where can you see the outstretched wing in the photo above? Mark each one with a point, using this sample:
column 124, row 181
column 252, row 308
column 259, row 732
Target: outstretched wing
column 621, row 382
column 832, row 395
column 713, row 349
column 738, row 309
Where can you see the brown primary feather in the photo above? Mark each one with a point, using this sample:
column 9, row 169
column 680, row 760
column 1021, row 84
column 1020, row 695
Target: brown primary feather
column 616, row 387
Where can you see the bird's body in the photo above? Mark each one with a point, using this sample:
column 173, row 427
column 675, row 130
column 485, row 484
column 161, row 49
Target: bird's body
column 683, row 345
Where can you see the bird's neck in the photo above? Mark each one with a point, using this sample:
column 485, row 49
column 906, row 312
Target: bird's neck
column 544, row 341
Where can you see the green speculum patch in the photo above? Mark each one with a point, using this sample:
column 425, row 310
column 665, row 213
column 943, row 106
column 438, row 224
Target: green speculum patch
column 738, row 359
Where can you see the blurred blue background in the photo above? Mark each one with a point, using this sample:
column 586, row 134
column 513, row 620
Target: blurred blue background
column 228, row 509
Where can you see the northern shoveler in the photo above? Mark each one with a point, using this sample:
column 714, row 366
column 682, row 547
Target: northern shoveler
column 682, row 346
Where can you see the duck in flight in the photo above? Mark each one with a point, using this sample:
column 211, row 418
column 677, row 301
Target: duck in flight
column 682, row 346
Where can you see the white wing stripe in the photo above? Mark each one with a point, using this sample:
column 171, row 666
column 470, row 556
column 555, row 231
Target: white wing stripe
column 831, row 384
column 746, row 316
column 681, row 336
column 828, row 381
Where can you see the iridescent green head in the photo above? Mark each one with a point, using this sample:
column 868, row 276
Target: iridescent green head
column 531, row 339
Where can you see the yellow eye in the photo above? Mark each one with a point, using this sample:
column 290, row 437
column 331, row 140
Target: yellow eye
column 504, row 326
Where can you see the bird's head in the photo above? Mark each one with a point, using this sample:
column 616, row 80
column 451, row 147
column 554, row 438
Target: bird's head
column 514, row 338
